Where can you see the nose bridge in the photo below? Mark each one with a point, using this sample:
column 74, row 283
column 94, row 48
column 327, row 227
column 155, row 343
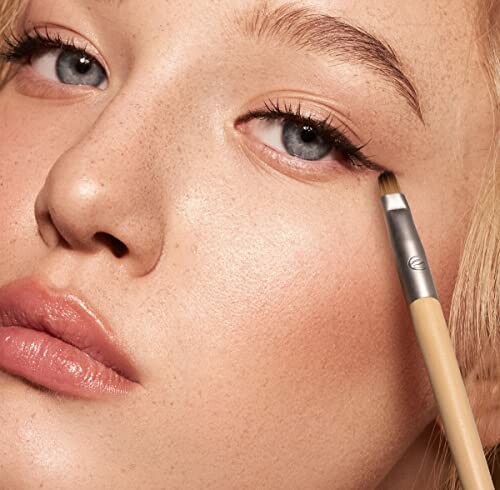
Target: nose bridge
column 104, row 191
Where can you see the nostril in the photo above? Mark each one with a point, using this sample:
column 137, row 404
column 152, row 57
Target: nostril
column 117, row 247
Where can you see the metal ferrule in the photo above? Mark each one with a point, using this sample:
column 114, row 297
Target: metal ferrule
column 413, row 268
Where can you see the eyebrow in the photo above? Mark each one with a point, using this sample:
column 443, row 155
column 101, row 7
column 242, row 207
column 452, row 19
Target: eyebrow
column 330, row 36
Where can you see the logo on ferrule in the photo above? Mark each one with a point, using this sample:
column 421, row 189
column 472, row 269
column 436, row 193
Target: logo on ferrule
column 416, row 263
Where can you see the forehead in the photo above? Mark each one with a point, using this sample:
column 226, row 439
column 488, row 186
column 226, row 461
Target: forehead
column 435, row 40
column 414, row 28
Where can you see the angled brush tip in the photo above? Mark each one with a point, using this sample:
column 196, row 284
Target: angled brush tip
column 388, row 183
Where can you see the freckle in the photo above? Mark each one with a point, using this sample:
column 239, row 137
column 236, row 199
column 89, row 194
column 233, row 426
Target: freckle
column 177, row 245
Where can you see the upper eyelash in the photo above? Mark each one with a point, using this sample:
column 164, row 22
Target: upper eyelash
column 333, row 134
column 19, row 48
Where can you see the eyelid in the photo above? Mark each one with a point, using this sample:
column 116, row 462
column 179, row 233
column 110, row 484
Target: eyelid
column 323, row 126
column 55, row 33
column 313, row 105
column 84, row 42
column 31, row 85
column 268, row 160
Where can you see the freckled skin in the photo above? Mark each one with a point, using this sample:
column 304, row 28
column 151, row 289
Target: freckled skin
column 263, row 313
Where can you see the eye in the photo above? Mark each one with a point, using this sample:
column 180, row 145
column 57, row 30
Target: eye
column 56, row 59
column 70, row 67
column 295, row 137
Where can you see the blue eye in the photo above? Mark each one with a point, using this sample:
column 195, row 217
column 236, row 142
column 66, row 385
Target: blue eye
column 304, row 141
column 70, row 67
column 79, row 69
column 56, row 59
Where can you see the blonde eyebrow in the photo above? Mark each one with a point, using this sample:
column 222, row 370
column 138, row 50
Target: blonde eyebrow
column 329, row 36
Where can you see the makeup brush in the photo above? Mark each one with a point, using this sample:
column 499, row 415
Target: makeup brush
column 434, row 339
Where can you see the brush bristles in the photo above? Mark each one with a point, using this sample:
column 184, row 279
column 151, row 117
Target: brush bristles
column 388, row 183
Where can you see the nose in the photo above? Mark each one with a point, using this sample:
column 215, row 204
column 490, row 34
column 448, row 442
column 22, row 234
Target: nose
column 99, row 197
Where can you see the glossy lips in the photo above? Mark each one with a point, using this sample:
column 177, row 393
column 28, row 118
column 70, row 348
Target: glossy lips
column 54, row 341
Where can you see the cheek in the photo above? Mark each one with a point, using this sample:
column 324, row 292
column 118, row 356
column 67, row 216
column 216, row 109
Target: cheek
column 299, row 318
column 321, row 313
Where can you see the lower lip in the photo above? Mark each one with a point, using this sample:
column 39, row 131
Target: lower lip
column 49, row 362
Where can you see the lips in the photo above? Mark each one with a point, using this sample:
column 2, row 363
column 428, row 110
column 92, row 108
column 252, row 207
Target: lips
column 55, row 341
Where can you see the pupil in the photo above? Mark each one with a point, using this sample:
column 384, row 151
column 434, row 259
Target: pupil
column 82, row 65
column 307, row 134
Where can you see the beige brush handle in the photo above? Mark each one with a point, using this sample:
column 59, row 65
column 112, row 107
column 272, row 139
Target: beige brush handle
column 449, row 391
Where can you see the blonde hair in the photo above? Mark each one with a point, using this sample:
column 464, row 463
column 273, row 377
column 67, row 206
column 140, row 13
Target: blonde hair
column 474, row 320
column 475, row 309
column 9, row 10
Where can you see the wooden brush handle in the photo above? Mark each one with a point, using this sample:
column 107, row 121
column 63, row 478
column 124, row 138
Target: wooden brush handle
column 449, row 391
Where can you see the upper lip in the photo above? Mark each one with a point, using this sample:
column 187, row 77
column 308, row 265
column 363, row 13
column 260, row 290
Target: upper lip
column 25, row 303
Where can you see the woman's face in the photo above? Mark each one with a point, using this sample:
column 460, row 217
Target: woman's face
column 257, row 297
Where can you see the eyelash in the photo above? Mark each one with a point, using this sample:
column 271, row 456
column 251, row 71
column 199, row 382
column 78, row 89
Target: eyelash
column 330, row 133
column 20, row 49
